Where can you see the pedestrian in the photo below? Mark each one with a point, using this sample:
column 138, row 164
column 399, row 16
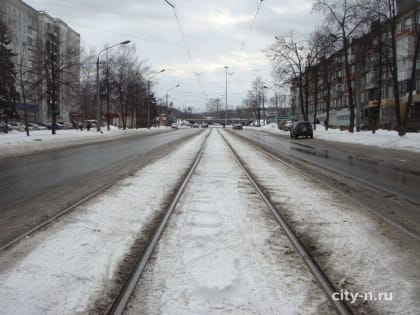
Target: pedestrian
column 88, row 126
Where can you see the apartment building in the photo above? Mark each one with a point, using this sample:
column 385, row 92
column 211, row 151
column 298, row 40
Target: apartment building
column 370, row 77
column 30, row 29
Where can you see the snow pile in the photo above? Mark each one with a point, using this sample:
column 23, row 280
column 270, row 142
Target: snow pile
column 355, row 248
column 63, row 268
column 382, row 138
column 17, row 143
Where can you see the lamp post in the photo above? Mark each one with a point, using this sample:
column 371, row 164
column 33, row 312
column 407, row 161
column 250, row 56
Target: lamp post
column 168, row 92
column 148, row 97
column 98, row 101
column 275, row 95
column 226, row 67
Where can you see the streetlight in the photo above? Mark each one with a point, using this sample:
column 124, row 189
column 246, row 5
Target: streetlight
column 98, row 102
column 275, row 94
column 226, row 67
column 148, row 97
column 168, row 92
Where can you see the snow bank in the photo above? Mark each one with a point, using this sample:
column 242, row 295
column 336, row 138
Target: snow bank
column 17, row 143
column 382, row 138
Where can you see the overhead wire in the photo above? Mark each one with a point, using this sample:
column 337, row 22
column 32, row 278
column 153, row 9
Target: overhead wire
column 187, row 49
column 250, row 27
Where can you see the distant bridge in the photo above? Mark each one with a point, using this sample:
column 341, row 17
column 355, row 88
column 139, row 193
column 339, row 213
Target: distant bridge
column 219, row 120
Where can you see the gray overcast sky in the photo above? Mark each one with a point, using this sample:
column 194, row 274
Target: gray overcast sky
column 214, row 32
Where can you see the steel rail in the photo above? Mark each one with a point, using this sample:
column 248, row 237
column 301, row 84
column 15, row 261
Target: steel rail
column 124, row 296
column 321, row 278
column 397, row 225
column 76, row 204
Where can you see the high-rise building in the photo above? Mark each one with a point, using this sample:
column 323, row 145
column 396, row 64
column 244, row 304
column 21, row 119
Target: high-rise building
column 30, row 30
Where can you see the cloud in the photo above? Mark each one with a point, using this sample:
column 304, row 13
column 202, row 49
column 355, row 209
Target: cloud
column 215, row 33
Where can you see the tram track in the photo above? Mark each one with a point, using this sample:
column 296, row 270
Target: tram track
column 68, row 208
column 319, row 275
column 343, row 185
column 321, row 278
column 117, row 307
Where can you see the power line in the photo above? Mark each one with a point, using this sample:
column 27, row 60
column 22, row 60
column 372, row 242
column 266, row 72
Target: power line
column 249, row 30
column 187, row 49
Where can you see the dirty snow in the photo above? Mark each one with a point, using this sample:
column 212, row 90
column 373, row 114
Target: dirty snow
column 361, row 252
column 223, row 253
column 17, row 143
column 249, row 268
column 62, row 269
column 382, row 138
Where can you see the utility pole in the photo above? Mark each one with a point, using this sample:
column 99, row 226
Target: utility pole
column 226, row 67
column 148, row 97
column 263, row 96
column 107, row 92
column 277, row 106
column 148, row 104
column 259, row 106
column 98, row 96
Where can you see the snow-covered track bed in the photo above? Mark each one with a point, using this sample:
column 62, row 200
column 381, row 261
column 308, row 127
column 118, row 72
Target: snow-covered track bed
column 222, row 251
column 47, row 219
column 374, row 263
column 77, row 263
column 320, row 277
column 123, row 297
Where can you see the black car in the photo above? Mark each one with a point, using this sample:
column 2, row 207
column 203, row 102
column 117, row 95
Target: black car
column 57, row 126
column 301, row 129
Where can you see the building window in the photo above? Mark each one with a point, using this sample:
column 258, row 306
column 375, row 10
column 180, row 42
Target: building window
column 403, row 86
column 408, row 23
column 398, row 28
column 418, row 63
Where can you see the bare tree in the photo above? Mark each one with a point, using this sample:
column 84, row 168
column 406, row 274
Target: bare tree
column 415, row 37
column 393, row 55
column 87, row 87
column 8, row 93
column 214, row 106
column 291, row 59
column 326, row 67
column 25, row 82
column 57, row 69
column 346, row 20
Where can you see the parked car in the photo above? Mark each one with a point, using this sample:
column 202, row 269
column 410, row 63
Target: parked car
column 35, row 126
column 281, row 124
column 301, row 129
column 91, row 122
column 174, row 126
column 288, row 125
column 237, row 126
column 195, row 125
column 12, row 125
column 4, row 127
column 57, row 126
column 204, row 125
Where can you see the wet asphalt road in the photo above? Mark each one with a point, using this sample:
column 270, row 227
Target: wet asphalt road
column 395, row 171
column 23, row 178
